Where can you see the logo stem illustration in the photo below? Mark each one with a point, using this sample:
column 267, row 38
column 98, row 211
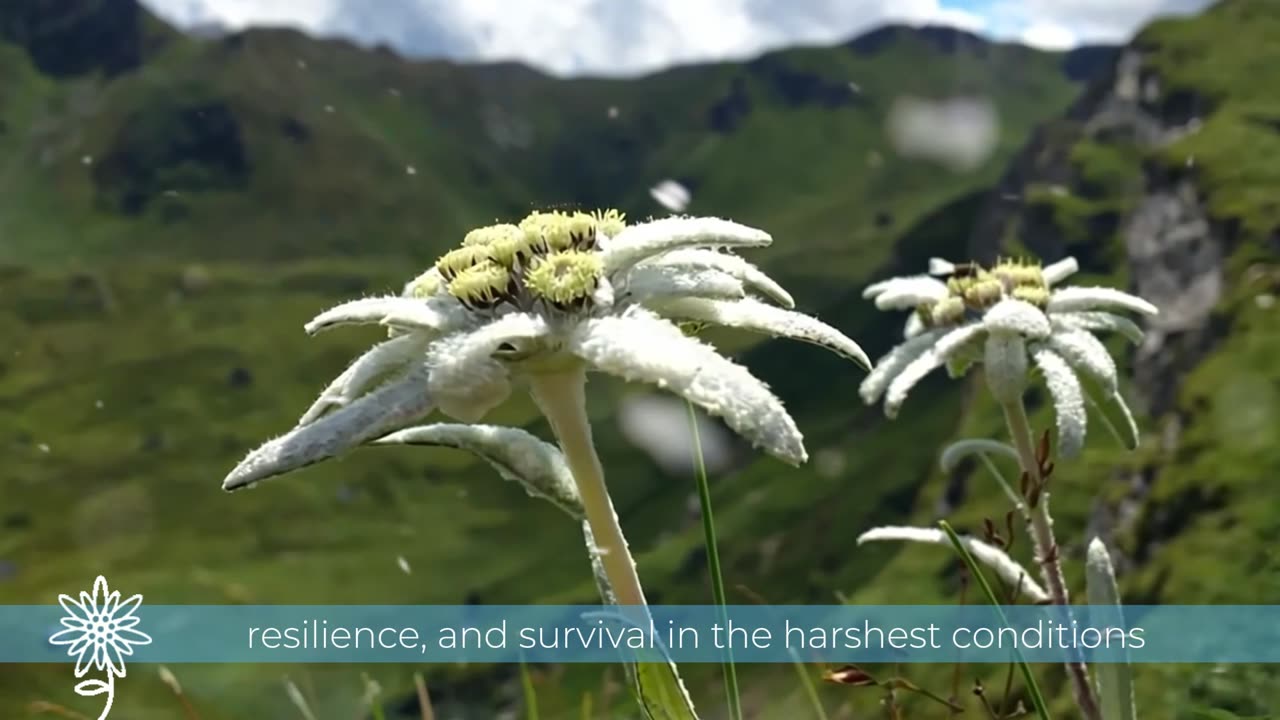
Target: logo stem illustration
column 100, row 631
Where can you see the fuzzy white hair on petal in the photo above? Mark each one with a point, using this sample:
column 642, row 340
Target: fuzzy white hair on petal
column 637, row 243
column 466, row 381
column 749, row 274
column 646, row 283
column 909, row 293
column 1071, row 299
column 1055, row 273
column 439, row 314
column 640, row 346
column 1099, row 321
column 1068, row 400
column 751, row 314
column 1087, row 354
column 891, row 364
column 1004, row 362
column 391, row 406
column 364, row 371
column 1017, row 317
column 516, row 454
column 1012, row 573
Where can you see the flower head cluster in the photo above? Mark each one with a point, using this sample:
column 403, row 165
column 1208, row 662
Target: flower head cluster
column 554, row 292
column 1008, row 317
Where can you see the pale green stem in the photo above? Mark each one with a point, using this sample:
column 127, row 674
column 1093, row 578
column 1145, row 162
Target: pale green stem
column 562, row 398
column 1046, row 545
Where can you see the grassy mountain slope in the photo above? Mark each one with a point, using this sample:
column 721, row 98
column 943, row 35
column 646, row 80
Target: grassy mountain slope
column 168, row 228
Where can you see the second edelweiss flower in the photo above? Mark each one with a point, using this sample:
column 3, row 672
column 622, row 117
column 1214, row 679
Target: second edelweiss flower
column 1008, row 318
column 557, row 291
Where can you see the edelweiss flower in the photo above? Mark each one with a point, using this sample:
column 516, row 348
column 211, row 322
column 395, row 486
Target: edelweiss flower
column 1001, row 317
column 100, row 629
column 554, row 293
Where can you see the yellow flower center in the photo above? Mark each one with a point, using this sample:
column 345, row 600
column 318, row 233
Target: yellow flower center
column 481, row 285
column 455, row 261
column 551, row 256
column 565, row 278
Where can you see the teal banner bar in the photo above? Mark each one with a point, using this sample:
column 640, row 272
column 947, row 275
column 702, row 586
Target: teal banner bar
column 685, row 633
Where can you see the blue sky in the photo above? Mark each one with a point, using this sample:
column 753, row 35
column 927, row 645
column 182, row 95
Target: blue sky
column 626, row 37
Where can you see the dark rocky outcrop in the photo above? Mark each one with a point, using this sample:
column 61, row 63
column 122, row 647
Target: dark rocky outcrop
column 173, row 147
column 75, row 37
column 948, row 40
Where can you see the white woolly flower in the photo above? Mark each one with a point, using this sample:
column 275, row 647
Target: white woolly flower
column 1010, row 318
column 1012, row 573
column 557, row 291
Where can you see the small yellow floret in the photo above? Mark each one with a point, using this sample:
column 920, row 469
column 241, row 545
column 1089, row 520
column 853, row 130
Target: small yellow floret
column 482, row 284
column 566, row 277
column 610, row 222
column 459, row 259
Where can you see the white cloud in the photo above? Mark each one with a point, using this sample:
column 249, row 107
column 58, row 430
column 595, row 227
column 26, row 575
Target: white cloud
column 1048, row 36
column 1088, row 21
column 633, row 36
column 304, row 14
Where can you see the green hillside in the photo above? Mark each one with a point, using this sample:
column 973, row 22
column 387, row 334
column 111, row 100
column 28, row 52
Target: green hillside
column 174, row 209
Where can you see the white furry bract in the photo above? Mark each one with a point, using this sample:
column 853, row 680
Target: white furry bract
column 1055, row 273
column 1095, row 321
column 645, row 284
column 1086, row 354
column 906, row 293
column 751, row 314
column 1013, row 574
column 466, row 381
column 517, row 456
column 640, row 346
column 1071, row 299
column 889, row 366
column 1017, row 317
column 1005, row 364
column 637, row 243
column 750, row 275
column 364, row 371
column 392, row 405
column 1068, row 400
column 961, row 449
column 392, row 310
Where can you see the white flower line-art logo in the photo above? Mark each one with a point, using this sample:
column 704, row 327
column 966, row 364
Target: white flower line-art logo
column 100, row 630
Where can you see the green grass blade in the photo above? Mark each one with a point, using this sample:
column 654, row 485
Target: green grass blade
column 372, row 693
column 713, row 565
column 810, row 688
column 530, row 697
column 1033, row 688
column 662, row 693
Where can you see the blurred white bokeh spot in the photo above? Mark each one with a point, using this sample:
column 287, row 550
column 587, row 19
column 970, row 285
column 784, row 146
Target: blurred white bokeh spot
column 659, row 425
column 829, row 462
column 959, row 133
column 671, row 195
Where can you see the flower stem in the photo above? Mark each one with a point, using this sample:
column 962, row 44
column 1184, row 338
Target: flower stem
column 1046, row 545
column 562, row 398
column 713, row 565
